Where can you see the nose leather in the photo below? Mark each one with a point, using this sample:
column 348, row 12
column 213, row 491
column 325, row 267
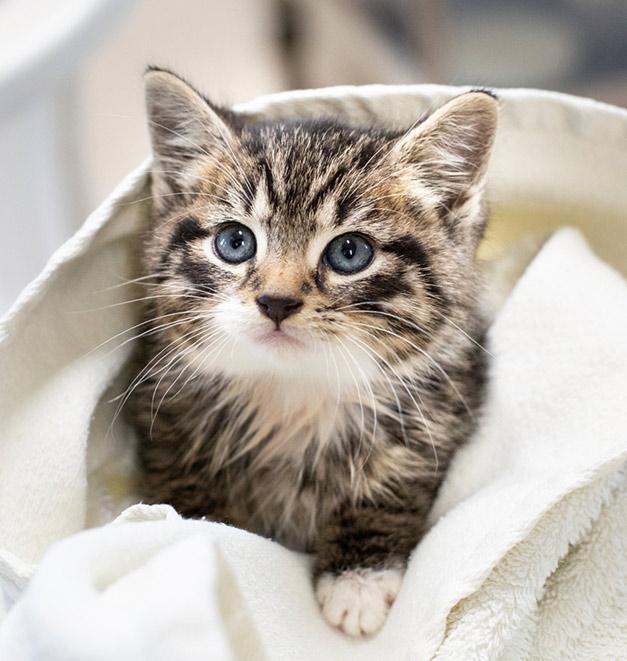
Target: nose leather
column 278, row 308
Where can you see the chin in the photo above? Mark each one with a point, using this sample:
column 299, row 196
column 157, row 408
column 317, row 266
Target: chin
column 291, row 356
column 273, row 353
column 281, row 341
column 297, row 362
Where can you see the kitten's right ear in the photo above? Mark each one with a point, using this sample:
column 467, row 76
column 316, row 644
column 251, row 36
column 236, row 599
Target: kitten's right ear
column 450, row 149
column 183, row 127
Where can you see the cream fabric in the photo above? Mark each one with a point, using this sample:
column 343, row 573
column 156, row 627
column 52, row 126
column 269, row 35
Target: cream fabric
column 532, row 506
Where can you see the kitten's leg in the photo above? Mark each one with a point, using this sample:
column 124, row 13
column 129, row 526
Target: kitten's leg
column 360, row 562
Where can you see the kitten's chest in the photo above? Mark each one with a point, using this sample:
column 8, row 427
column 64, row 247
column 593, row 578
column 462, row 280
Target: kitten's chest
column 276, row 503
column 291, row 498
column 287, row 425
column 295, row 467
column 316, row 460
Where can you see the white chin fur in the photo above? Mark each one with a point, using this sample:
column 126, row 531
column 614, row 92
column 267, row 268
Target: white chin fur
column 332, row 365
column 358, row 601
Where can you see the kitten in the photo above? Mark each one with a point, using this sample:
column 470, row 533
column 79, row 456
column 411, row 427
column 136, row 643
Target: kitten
column 312, row 360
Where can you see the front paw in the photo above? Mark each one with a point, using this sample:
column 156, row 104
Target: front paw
column 358, row 601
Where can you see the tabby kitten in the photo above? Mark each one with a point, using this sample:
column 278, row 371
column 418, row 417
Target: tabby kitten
column 313, row 357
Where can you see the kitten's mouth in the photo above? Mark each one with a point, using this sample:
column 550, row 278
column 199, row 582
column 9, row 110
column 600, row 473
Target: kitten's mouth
column 277, row 337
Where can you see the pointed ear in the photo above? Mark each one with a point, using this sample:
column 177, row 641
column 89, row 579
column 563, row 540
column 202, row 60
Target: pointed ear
column 183, row 127
column 450, row 149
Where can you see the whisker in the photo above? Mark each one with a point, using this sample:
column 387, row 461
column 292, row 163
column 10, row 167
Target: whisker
column 197, row 344
column 428, row 356
column 411, row 324
column 372, row 356
column 150, row 331
column 361, row 405
column 144, row 298
column 178, row 356
column 205, row 354
column 404, row 384
column 373, row 404
column 148, row 370
column 465, row 334
column 126, row 283
column 145, row 373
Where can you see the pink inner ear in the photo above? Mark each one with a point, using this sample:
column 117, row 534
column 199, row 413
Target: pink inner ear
column 451, row 148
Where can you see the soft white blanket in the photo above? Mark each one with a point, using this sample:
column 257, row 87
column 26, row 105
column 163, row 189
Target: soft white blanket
column 526, row 559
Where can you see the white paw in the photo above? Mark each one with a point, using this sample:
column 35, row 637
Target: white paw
column 357, row 602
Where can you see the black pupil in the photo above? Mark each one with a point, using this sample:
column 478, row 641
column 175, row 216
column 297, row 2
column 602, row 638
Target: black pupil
column 349, row 248
column 237, row 239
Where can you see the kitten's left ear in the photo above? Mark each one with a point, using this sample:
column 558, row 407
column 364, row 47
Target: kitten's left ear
column 450, row 149
column 183, row 127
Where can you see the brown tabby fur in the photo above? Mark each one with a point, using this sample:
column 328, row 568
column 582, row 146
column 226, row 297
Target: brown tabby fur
column 337, row 448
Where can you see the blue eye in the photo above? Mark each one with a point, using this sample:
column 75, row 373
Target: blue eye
column 349, row 253
column 235, row 244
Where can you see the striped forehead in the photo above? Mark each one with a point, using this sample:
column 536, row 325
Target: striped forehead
column 305, row 185
column 291, row 222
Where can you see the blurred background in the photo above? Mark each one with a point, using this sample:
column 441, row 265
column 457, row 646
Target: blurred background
column 71, row 100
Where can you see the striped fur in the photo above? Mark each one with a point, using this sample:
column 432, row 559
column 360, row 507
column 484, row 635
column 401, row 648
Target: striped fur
column 334, row 441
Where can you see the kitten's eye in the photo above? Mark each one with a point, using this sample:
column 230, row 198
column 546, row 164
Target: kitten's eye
column 235, row 243
column 349, row 253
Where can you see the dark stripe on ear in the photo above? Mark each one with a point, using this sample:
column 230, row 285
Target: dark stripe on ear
column 448, row 220
column 486, row 90
column 186, row 231
column 411, row 251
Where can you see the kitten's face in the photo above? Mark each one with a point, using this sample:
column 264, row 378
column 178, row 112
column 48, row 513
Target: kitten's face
column 312, row 250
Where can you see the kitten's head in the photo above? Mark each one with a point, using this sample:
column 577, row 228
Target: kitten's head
column 312, row 248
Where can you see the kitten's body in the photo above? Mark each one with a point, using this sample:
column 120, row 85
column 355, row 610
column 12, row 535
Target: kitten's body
column 331, row 436
column 318, row 460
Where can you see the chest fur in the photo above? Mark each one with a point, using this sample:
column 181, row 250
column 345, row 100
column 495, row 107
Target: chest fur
column 280, row 461
column 295, row 462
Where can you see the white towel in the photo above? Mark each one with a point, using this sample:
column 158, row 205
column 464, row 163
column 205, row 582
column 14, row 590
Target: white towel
column 526, row 558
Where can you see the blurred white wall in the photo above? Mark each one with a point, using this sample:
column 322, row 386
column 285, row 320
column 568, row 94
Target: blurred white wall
column 41, row 46
column 76, row 123
column 225, row 48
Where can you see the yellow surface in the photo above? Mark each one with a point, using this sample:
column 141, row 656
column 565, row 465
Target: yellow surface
column 533, row 222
